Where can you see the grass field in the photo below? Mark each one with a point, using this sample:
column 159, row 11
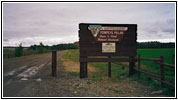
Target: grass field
column 155, row 68
column 120, row 70
column 150, row 66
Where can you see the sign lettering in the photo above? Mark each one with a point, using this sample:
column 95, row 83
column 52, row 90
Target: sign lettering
column 107, row 34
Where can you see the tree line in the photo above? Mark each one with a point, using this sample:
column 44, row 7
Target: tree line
column 155, row 44
column 54, row 47
column 41, row 48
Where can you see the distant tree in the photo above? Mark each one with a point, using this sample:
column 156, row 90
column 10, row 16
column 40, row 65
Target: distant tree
column 41, row 48
column 18, row 51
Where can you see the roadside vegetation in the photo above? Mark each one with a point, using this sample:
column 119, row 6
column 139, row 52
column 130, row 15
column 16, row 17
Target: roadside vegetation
column 12, row 52
column 18, row 51
column 120, row 70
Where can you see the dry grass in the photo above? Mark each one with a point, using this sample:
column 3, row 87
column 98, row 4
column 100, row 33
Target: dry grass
column 71, row 66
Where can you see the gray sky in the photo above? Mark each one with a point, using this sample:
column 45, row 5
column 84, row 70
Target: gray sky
column 54, row 23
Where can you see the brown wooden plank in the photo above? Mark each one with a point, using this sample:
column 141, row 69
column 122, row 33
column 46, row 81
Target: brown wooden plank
column 147, row 73
column 151, row 59
column 138, row 65
column 162, row 69
column 108, row 54
column 165, row 64
column 166, row 82
column 156, row 77
column 94, row 48
column 106, row 60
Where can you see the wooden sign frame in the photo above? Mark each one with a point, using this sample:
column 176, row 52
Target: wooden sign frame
column 90, row 46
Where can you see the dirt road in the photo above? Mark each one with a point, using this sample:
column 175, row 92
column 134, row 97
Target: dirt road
column 22, row 72
column 30, row 76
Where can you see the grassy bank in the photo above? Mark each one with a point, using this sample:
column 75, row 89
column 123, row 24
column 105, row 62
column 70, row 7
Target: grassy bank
column 120, row 70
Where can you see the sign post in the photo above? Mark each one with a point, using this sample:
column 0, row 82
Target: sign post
column 109, row 68
column 54, row 62
column 107, row 40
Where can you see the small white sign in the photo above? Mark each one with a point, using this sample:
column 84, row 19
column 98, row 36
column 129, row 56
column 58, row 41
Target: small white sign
column 108, row 47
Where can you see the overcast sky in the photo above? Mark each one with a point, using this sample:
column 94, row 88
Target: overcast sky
column 54, row 23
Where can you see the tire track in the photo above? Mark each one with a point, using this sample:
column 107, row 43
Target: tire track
column 32, row 70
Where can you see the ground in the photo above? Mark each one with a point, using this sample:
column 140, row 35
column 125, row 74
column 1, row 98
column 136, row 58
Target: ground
column 30, row 76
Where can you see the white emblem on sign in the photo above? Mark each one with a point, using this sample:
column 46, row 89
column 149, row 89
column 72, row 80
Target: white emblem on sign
column 108, row 47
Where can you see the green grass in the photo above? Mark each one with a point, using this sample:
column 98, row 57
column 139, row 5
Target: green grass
column 155, row 68
column 103, row 67
column 72, row 55
column 119, row 69
column 150, row 66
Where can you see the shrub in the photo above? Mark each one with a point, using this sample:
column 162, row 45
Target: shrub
column 18, row 51
column 41, row 48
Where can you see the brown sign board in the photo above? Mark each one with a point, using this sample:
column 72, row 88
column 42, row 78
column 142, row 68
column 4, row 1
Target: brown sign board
column 107, row 34
column 107, row 39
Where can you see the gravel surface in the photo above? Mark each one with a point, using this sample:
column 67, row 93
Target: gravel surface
column 31, row 77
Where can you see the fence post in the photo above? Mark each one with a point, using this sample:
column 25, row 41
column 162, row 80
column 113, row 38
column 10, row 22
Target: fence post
column 54, row 63
column 138, row 65
column 173, row 59
column 162, row 68
column 109, row 68
column 131, row 66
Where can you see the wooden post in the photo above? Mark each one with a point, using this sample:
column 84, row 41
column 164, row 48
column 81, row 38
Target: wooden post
column 54, row 63
column 131, row 66
column 109, row 68
column 83, row 69
column 162, row 68
column 173, row 59
column 138, row 65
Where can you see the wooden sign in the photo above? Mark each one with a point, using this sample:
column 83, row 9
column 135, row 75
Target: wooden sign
column 92, row 36
column 107, row 40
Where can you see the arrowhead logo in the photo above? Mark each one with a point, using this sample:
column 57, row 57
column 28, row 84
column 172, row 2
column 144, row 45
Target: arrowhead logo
column 94, row 29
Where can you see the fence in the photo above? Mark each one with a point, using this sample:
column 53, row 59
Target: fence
column 160, row 61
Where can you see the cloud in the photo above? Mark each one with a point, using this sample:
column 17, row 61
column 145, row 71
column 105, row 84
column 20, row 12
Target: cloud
column 59, row 21
column 5, row 40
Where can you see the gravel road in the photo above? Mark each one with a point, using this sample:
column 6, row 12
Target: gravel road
column 30, row 76
column 20, row 73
